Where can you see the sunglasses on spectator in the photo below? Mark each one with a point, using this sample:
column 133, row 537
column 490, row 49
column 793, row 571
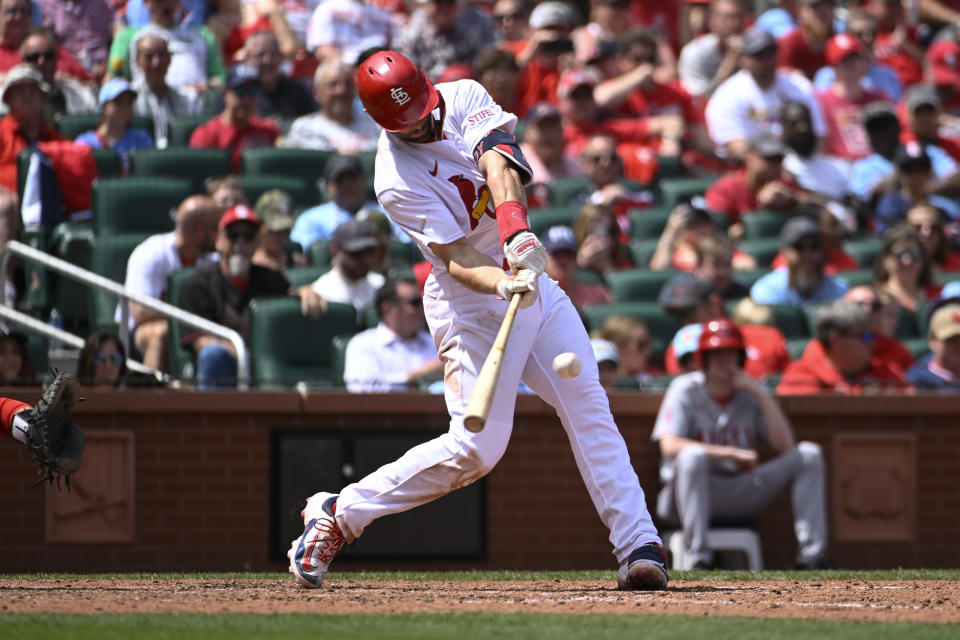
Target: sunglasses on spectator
column 116, row 359
column 601, row 157
column 865, row 336
column 416, row 303
column 912, row 253
column 870, row 305
column 50, row 54
column 643, row 59
column 247, row 236
column 810, row 246
column 15, row 12
column 246, row 90
column 643, row 344
column 362, row 252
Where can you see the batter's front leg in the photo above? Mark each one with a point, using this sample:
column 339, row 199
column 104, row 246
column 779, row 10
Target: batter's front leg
column 584, row 410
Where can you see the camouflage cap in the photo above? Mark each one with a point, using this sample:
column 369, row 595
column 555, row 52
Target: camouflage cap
column 275, row 208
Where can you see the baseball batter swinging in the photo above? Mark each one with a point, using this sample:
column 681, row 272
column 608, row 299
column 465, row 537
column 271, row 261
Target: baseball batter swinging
column 450, row 173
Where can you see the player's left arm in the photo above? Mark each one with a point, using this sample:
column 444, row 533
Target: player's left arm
column 506, row 170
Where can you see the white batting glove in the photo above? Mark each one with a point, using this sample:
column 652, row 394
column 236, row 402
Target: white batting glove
column 524, row 283
column 524, row 251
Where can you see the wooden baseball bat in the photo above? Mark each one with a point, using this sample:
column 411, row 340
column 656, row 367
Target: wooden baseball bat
column 478, row 409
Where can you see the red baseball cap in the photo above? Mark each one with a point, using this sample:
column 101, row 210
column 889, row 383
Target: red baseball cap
column 839, row 47
column 239, row 213
column 944, row 59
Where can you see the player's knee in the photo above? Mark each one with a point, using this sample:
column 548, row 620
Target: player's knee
column 811, row 453
column 474, row 462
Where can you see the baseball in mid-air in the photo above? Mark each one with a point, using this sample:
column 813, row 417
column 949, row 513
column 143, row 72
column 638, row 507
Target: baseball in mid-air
column 567, row 365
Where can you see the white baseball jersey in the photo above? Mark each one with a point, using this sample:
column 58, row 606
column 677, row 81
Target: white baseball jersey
column 436, row 194
column 688, row 411
column 435, row 191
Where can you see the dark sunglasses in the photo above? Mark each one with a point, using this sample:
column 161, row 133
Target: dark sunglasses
column 416, row 303
column 639, row 59
column 503, row 17
column 362, row 252
column 246, row 236
column 807, row 246
column 246, row 90
column 642, row 345
column 116, row 359
column 50, row 54
column 608, row 157
column 871, row 305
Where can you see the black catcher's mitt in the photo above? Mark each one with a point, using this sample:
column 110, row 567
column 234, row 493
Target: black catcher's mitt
column 54, row 440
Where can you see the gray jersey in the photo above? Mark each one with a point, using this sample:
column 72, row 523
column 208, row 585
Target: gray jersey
column 688, row 411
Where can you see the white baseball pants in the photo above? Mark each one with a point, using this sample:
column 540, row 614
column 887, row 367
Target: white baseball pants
column 464, row 324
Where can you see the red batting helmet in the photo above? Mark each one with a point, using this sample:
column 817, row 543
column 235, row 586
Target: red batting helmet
column 394, row 91
column 720, row 334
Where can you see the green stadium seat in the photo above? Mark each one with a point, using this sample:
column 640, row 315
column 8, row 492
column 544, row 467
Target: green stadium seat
column 73, row 242
column 180, row 358
column 661, row 325
column 675, row 190
column 864, row 250
column 404, row 254
column 109, row 259
column 38, row 348
column 108, row 162
column 642, row 250
column 137, row 204
column 287, row 348
column 304, row 194
column 306, row 164
column 73, row 124
column 945, row 277
column 763, row 224
column 543, row 219
column 763, row 250
column 648, row 223
column 181, row 129
column 918, row 347
column 368, row 160
column 638, row 284
column 658, row 384
column 796, row 346
column 318, row 253
column 299, row 276
column 791, row 320
column 563, row 190
column 195, row 165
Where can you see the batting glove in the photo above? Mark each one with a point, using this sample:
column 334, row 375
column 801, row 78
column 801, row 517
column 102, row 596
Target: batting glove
column 524, row 251
column 524, row 283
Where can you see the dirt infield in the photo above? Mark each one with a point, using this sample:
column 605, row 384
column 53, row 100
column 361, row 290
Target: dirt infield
column 920, row 601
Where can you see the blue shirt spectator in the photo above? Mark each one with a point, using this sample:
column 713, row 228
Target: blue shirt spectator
column 775, row 288
column 940, row 370
column 116, row 109
column 868, row 171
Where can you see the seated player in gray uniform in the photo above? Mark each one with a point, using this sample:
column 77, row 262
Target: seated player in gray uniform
column 708, row 428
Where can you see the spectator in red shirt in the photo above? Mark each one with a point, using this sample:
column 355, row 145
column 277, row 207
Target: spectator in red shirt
column 843, row 102
column 943, row 71
column 561, row 246
column 929, row 222
column 236, row 129
column 839, row 359
column 901, row 269
column 604, row 167
column 635, row 91
column 583, row 118
column 759, row 185
column 15, row 18
column 511, row 22
column 547, row 54
column 896, row 45
column 802, row 48
column 920, row 114
column 832, row 235
column 884, row 314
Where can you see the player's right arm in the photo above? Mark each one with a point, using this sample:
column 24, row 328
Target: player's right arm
column 479, row 272
column 469, row 267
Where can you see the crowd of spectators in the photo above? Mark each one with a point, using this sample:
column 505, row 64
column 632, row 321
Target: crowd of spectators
column 812, row 129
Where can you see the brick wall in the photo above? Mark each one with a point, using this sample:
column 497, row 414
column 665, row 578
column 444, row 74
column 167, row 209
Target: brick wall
column 203, row 484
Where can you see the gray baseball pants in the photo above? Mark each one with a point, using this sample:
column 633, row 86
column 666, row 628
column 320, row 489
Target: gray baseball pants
column 698, row 493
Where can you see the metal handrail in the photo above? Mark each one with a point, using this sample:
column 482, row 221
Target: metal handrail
column 89, row 278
